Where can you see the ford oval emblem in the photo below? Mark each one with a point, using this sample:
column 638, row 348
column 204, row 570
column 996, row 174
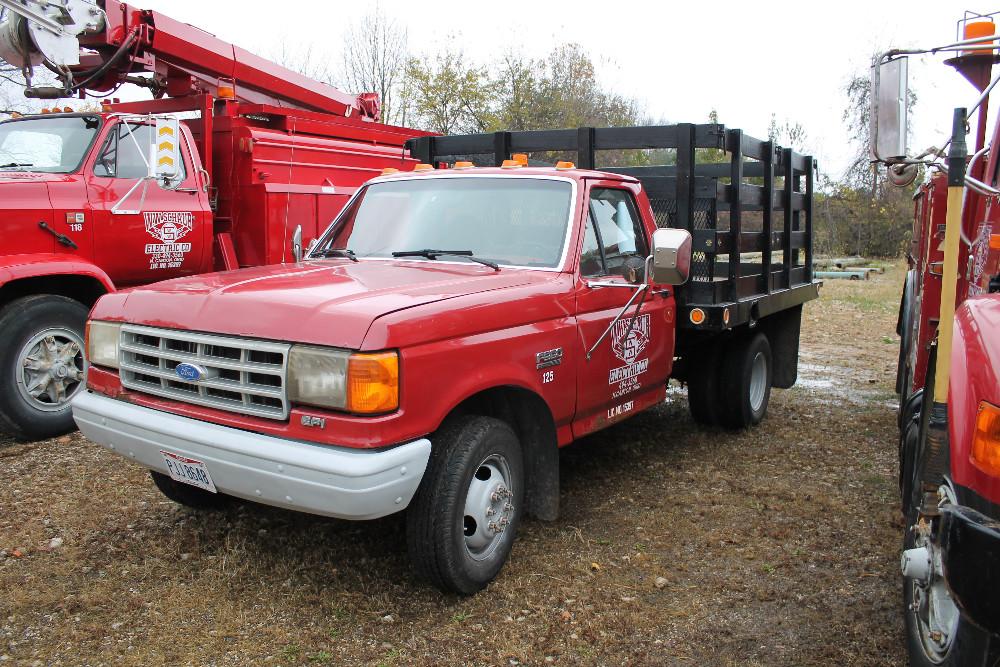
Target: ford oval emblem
column 190, row 372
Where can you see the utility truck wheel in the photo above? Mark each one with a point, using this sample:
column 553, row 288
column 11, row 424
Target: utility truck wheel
column 187, row 495
column 461, row 524
column 745, row 382
column 703, row 387
column 41, row 365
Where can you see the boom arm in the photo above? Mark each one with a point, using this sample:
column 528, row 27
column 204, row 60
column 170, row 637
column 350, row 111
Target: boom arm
column 98, row 45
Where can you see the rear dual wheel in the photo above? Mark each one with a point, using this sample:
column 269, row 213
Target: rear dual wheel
column 731, row 383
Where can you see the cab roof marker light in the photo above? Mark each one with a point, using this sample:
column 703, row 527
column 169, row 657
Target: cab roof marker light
column 423, row 166
column 389, row 170
column 520, row 158
column 463, row 164
column 510, row 164
column 563, row 164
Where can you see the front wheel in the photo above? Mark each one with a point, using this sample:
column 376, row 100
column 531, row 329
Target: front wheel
column 462, row 522
column 41, row 365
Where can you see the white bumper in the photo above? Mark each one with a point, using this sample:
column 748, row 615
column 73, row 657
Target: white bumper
column 319, row 479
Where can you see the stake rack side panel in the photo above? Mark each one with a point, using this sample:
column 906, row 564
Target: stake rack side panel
column 746, row 202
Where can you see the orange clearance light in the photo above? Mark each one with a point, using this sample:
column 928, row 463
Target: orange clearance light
column 423, row 166
column 463, row 164
column 986, row 439
column 563, row 164
column 389, row 170
column 373, row 383
column 14, row 114
column 510, row 164
column 226, row 89
column 105, row 107
column 697, row 316
column 994, row 241
column 45, row 109
column 68, row 109
column 979, row 29
column 520, row 158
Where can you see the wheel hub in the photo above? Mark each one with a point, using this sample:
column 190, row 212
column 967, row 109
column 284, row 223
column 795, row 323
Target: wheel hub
column 935, row 613
column 51, row 369
column 758, row 381
column 489, row 507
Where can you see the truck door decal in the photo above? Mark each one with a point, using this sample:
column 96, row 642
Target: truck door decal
column 628, row 340
column 168, row 227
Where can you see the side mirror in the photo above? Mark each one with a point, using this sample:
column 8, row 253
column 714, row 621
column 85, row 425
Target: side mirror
column 888, row 116
column 297, row 243
column 671, row 256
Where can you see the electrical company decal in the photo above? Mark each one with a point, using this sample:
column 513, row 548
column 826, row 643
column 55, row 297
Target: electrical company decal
column 628, row 339
column 168, row 227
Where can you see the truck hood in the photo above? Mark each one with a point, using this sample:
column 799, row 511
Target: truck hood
column 328, row 302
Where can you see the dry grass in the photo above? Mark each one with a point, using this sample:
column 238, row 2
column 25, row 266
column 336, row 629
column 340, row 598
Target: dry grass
column 778, row 547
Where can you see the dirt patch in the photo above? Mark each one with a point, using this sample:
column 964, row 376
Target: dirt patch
column 778, row 546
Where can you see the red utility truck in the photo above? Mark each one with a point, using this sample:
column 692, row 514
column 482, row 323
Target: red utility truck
column 263, row 162
column 455, row 326
column 949, row 367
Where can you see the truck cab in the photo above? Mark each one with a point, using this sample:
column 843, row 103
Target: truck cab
column 76, row 227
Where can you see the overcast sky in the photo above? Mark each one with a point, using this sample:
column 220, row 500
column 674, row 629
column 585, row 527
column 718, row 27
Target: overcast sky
column 679, row 60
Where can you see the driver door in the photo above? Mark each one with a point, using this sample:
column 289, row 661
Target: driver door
column 627, row 371
column 146, row 237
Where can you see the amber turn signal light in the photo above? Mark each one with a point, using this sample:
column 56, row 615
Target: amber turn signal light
column 373, row 383
column 986, row 439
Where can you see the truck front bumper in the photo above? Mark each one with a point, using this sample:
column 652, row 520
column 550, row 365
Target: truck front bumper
column 970, row 554
column 331, row 481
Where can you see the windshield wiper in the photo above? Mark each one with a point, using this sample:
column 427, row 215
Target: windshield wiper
column 16, row 164
column 431, row 253
column 336, row 252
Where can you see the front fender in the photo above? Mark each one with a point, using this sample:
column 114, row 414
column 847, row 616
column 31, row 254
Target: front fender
column 975, row 377
column 39, row 265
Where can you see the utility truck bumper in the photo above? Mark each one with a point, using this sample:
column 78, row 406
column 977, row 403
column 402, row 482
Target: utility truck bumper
column 970, row 544
column 320, row 479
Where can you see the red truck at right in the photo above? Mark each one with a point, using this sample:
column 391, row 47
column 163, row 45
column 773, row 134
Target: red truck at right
column 948, row 377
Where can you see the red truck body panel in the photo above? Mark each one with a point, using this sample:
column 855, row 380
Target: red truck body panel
column 975, row 377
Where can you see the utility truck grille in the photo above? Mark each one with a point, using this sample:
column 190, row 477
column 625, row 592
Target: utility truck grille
column 235, row 374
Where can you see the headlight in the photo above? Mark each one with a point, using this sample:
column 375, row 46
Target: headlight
column 361, row 383
column 102, row 343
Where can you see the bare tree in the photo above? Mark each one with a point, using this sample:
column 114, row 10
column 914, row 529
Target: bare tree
column 374, row 60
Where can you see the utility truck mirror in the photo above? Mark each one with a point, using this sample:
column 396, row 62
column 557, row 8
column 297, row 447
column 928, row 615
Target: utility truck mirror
column 166, row 153
column 888, row 115
column 671, row 256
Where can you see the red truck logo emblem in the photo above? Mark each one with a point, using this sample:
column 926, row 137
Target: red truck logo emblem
column 168, row 227
column 629, row 339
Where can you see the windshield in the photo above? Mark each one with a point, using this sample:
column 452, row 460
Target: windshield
column 506, row 220
column 54, row 145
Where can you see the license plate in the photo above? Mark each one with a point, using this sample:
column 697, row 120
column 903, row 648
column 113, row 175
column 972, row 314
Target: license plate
column 188, row 471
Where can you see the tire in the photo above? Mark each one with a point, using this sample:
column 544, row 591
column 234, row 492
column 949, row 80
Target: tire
column 971, row 647
column 41, row 365
column 187, row 495
column 745, row 382
column 448, row 545
column 703, row 386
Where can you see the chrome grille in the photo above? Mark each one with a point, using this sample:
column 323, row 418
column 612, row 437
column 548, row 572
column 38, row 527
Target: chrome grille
column 245, row 376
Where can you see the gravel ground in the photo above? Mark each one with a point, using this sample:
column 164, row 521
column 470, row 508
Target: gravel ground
column 777, row 546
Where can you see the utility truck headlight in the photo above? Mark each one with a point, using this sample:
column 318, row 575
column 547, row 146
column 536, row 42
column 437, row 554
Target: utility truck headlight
column 102, row 343
column 360, row 382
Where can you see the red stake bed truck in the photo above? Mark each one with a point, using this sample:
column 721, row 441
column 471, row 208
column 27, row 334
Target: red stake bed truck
column 264, row 152
column 949, row 369
column 455, row 326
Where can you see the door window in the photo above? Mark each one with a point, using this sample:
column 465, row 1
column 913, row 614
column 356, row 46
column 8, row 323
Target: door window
column 122, row 155
column 614, row 238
